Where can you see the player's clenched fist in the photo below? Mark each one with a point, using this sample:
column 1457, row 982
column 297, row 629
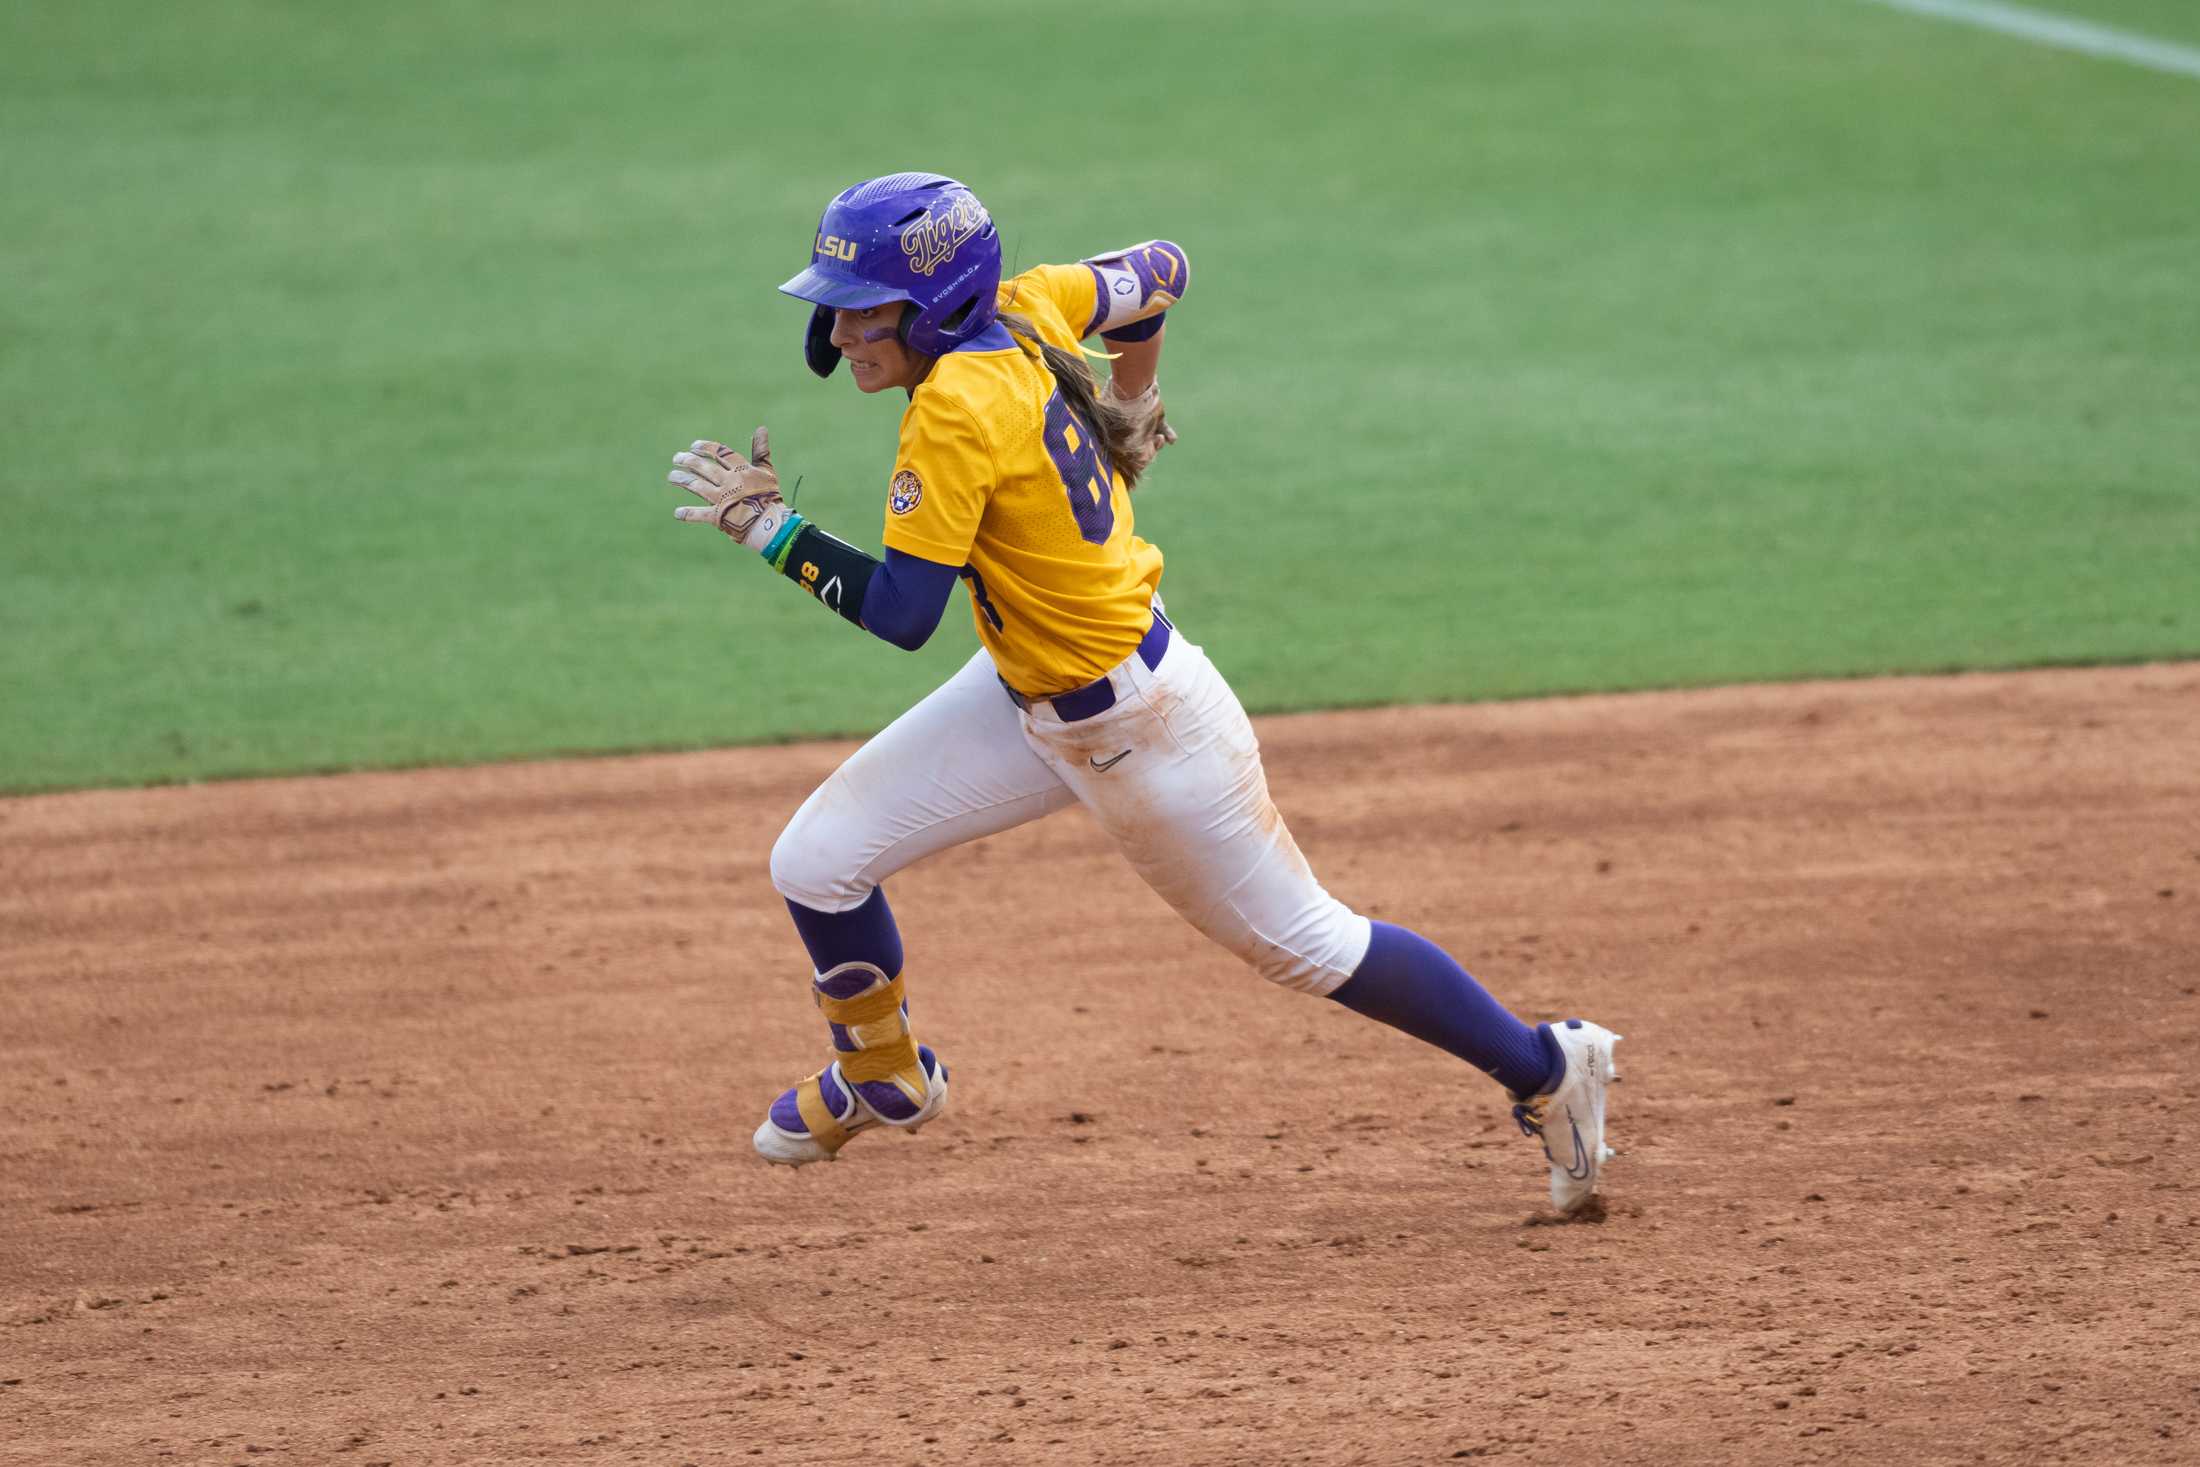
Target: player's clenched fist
column 741, row 494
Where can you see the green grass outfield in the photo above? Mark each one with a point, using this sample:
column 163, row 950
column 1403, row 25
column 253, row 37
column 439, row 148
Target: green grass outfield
column 1537, row 345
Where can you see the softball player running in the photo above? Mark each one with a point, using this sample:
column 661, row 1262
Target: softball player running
column 1013, row 475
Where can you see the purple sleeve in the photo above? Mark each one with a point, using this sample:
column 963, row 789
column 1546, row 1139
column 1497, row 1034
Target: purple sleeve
column 906, row 597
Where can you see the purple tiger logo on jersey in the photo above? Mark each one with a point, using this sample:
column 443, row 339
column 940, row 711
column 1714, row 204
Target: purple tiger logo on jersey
column 932, row 241
column 905, row 492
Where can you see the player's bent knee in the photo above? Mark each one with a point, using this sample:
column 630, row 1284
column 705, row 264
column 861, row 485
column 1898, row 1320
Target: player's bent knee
column 809, row 867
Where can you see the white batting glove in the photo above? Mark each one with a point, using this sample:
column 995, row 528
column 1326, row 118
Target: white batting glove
column 1146, row 408
column 741, row 494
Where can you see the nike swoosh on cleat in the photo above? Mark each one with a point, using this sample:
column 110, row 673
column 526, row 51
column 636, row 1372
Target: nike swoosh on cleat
column 1104, row 765
column 1578, row 1168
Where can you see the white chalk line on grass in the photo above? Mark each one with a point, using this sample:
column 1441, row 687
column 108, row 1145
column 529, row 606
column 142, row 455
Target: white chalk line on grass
column 2060, row 31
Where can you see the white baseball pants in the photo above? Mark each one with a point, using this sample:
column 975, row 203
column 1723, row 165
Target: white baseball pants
column 1171, row 772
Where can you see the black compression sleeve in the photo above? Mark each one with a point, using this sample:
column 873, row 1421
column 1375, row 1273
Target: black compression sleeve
column 830, row 569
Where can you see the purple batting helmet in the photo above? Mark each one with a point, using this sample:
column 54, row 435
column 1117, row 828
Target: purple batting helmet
column 917, row 237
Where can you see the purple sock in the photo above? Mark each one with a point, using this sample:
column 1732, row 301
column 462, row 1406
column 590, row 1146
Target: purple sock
column 864, row 934
column 1410, row 983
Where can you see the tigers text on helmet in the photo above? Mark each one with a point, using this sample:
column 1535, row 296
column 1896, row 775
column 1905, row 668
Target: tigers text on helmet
column 916, row 237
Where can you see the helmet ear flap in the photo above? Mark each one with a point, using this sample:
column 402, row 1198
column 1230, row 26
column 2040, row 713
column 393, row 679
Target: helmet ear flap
column 817, row 344
column 944, row 325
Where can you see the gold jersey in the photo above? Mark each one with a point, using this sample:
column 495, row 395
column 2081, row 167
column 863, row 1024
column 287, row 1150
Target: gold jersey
column 995, row 475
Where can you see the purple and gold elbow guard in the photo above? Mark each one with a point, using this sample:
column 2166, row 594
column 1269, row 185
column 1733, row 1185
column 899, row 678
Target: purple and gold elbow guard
column 1134, row 286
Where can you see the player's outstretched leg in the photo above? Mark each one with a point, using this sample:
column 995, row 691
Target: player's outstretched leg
column 1175, row 779
column 1556, row 1073
column 879, row 1074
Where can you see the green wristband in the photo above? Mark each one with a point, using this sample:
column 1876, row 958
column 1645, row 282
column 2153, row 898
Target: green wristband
column 775, row 554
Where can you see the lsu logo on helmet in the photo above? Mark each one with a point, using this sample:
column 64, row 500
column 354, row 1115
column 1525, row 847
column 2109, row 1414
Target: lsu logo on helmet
column 932, row 241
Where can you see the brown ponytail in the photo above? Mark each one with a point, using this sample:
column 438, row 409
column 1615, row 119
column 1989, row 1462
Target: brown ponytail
column 1118, row 430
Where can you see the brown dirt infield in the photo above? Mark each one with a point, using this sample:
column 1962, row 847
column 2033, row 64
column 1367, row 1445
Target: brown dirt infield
column 404, row 1118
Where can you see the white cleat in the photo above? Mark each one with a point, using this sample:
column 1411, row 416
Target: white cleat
column 795, row 1148
column 784, row 1145
column 1570, row 1120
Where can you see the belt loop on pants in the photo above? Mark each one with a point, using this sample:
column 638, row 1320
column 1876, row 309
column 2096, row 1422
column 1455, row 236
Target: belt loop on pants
column 1098, row 696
